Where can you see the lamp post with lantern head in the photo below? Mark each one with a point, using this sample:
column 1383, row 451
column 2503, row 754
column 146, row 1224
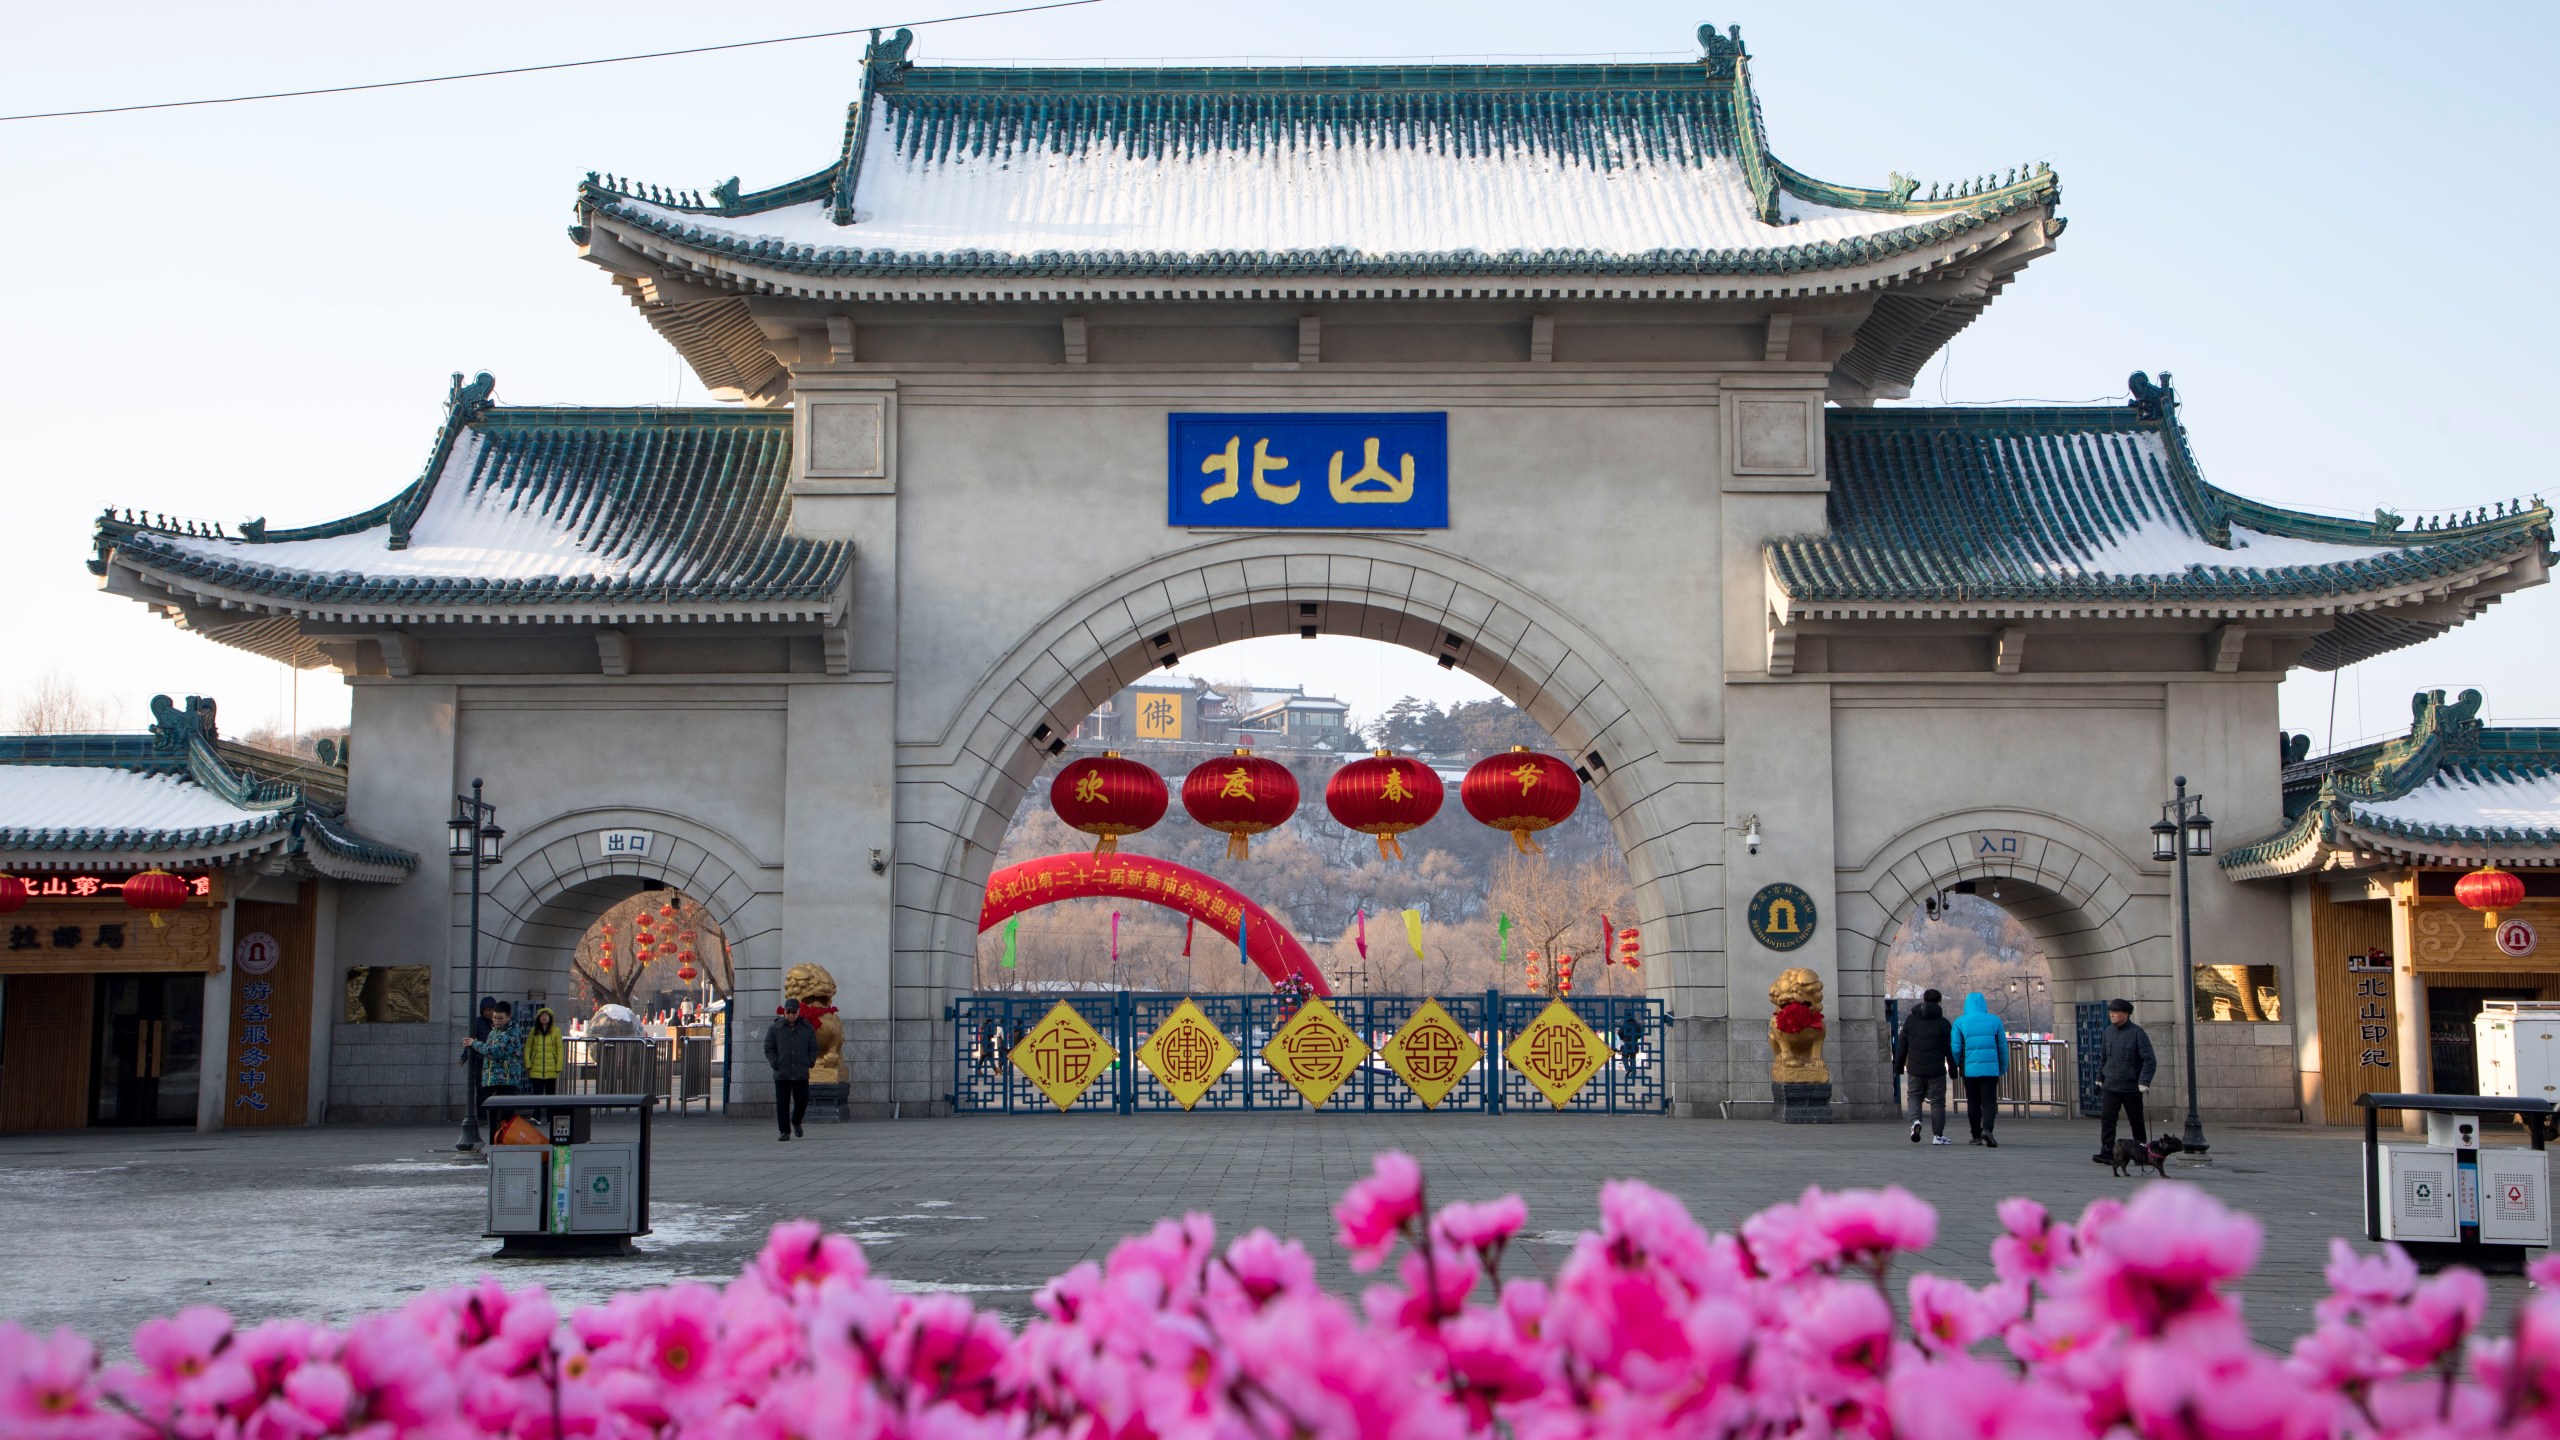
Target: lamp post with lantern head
column 473, row 834
column 2184, row 831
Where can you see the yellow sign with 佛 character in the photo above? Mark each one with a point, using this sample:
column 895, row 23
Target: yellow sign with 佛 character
column 1315, row 1052
column 1158, row 713
column 1558, row 1053
column 1063, row 1055
column 1187, row 1054
column 1432, row 1053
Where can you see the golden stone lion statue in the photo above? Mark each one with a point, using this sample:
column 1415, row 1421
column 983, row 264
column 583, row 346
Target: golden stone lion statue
column 814, row 988
column 1795, row 1030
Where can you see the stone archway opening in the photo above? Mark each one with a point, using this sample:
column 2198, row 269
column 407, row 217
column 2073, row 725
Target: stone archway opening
column 1968, row 940
column 658, row 952
column 1336, row 893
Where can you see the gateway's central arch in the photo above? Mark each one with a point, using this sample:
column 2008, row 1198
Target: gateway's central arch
column 1660, row 804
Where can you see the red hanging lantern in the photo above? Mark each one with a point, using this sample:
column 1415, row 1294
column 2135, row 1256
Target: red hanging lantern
column 1242, row 795
column 1631, row 949
column 1106, row 796
column 1564, row 974
column 667, row 910
column 1384, row 795
column 13, row 894
column 155, row 891
column 2490, row 889
column 685, row 972
column 1537, row 974
column 1522, row 792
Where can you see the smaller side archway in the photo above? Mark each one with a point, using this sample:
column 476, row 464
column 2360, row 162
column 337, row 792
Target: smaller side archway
column 1269, row 944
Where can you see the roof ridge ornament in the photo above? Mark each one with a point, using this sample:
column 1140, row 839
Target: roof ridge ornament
column 890, row 54
column 1721, row 49
column 2152, row 402
column 172, row 727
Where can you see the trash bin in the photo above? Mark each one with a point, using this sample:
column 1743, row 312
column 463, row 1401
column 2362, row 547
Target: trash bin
column 2454, row 1200
column 578, row 1194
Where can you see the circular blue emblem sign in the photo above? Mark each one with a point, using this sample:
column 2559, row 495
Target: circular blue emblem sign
column 1781, row 916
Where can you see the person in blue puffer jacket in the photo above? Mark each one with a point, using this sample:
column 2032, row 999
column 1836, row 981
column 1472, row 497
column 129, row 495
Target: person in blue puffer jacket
column 1981, row 1046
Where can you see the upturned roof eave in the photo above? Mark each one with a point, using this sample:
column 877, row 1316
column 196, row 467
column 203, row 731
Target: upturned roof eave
column 815, row 605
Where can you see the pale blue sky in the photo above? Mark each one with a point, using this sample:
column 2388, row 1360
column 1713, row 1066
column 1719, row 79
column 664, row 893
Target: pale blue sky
column 2329, row 220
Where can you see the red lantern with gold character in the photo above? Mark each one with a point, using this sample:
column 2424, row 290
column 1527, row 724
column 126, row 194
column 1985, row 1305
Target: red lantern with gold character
column 2490, row 889
column 1385, row 796
column 1523, row 792
column 155, row 891
column 1242, row 795
column 13, row 894
column 1108, row 796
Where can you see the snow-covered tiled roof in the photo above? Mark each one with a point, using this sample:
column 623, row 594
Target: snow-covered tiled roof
column 1996, row 511
column 170, row 798
column 2453, row 791
column 580, row 513
column 1491, row 170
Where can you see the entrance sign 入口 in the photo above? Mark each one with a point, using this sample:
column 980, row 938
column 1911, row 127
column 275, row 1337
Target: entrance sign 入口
column 623, row 844
column 1298, row 471
column 1432, row 1053
column 1187, row 1054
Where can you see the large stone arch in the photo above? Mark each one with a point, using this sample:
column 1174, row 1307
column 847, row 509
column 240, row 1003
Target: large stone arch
column 2099, row 918
column 555, row 884
column 958, row 791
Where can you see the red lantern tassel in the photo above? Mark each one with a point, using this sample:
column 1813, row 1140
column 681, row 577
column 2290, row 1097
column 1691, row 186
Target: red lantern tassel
column 1106, row 845
column 1239, row 845
column 1522, row 841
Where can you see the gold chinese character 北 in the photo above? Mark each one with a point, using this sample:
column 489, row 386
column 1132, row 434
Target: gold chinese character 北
column 1227, row 462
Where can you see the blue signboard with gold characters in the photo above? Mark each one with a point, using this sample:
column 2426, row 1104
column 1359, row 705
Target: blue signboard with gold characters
column 1781, row 916
column 1334, row 472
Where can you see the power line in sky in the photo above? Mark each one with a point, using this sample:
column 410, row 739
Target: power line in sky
column 534, row 69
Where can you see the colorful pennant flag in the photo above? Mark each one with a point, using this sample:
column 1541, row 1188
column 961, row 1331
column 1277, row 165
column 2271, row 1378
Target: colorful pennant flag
column 1360, row 932
column 1413, row 932
column 1244, row 936
column 1187, row 923
column 1502, row 937
column 1608, row 942
column 1012, row 928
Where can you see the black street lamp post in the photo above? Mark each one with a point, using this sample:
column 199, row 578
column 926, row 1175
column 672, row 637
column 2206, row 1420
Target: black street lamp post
column 2184, row 831
column 473, row 833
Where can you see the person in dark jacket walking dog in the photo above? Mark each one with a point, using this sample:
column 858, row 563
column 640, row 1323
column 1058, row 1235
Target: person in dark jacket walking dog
column 790, row 1047
column 2125, row 1067
column 1982, row 1057
column 1924, row 1057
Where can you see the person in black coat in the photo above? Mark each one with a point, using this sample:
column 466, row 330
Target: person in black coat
column 1924, row 1055
column 790, row 1047
column 2126, row 1065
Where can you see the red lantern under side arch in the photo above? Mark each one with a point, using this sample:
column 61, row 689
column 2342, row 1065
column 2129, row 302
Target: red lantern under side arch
column 1384, row 795
column 13, row 894
column 2490, row 889
column 1522, row 792
column 155, row 891
column 1242, row 795
column 1107, row 796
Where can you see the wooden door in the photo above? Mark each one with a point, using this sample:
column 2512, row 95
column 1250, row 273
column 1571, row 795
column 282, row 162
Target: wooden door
column 267, row 1077
column 44, row 1052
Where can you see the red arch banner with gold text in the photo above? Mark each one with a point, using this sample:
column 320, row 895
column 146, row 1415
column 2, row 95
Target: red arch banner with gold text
column 1033, row 883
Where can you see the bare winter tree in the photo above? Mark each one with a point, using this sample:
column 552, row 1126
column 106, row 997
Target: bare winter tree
column 56, row 704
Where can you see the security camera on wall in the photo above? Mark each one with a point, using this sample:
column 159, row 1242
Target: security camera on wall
column 1751, row 835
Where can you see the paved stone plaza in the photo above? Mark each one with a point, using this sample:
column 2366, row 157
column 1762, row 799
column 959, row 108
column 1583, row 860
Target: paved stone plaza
column 106, row 1229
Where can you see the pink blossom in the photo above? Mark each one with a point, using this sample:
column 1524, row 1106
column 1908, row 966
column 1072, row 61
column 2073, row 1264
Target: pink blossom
column 48, row 1387
column 1956, row 1397
column 1947, row 1316
column 2358, row 1283
column 2435, row 1318
column 1261, row 1267
column 1869, row 1225
column 1376, row 1209
column 800, row 1255
column 1481, row 1225
column 2166, row 1255
column 2031, row 1246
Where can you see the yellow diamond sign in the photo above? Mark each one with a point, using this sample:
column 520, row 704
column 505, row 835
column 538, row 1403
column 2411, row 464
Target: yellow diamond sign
column 1187, row 1054
column 1558, row 1053
column 1063, row 1055
column 1315, row 1052
column 1433, row 1053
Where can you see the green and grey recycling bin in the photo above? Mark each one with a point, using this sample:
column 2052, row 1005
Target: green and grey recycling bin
column 579, row 1194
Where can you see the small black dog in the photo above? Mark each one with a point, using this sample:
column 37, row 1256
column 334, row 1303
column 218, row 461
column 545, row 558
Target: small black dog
column 2147, row 1157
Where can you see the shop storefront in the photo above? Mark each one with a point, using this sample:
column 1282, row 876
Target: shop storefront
column 2380, row 841
column 161, row 897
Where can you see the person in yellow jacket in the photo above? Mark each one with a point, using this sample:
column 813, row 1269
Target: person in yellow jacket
column 543, row 1052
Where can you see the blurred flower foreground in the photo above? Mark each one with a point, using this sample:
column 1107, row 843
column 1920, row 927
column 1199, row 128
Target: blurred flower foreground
column 2123, row 1322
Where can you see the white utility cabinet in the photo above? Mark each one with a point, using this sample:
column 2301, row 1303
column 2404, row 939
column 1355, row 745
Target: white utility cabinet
column 2518, row 1045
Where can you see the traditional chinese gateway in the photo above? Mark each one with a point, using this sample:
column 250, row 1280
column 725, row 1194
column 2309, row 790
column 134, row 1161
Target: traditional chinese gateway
column 1558, row 373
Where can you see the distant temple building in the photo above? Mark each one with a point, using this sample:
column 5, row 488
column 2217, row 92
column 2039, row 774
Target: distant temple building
column 1048, row 377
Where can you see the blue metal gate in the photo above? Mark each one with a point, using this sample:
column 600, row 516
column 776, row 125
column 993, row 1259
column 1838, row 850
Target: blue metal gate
column 986, row 1027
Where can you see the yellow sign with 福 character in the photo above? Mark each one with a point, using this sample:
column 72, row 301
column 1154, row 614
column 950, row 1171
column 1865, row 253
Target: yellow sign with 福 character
column 1063, row 1055
column 1188, row 1054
